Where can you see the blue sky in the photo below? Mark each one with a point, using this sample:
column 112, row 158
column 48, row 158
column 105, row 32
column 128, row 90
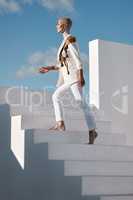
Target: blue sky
column 28, row 36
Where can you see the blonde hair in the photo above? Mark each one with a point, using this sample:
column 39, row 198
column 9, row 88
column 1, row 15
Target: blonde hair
column 67, row 20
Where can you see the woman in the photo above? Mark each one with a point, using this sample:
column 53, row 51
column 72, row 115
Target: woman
column 70, row 77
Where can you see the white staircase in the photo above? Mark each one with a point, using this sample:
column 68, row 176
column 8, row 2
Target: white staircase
column 105, row 168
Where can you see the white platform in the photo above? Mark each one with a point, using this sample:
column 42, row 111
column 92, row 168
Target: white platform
column 45, row 121
column 117, row 198
column 107, row 185
column 90, row 152
column 45, row 136
column 98, row 168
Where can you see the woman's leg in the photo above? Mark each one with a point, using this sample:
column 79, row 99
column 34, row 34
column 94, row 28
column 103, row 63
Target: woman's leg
column 56, row 98
column 77, row 92
column 89, row 116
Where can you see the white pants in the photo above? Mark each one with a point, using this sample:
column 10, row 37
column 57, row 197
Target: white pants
column 77, row 92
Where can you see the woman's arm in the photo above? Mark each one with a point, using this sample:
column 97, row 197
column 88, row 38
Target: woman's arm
column 53, row 67
column 73, row 48
column 48, row 68
column 74, row 51
column 81, row 77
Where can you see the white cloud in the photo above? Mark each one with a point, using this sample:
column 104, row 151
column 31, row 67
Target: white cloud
column 14, row 6
column 47, row 57
column 58, row 4
column 25, row 71
column 36, row 60
column 7, row 6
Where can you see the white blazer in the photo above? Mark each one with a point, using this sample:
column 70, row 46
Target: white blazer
column 74, row 63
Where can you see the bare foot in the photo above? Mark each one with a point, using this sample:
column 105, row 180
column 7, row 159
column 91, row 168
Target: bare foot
column 58, row 126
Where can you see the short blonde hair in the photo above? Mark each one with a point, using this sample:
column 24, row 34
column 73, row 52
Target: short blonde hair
column 67, row 20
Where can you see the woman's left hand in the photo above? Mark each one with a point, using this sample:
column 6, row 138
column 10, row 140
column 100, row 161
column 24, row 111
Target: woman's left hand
column 43, row 69
column 81, row 82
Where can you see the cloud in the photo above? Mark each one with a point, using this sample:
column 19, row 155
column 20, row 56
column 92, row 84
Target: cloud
column 7, row 6
column 47, row 57
column 36, row 60
column 13, row 6
column 25, row 71
column 67, row 5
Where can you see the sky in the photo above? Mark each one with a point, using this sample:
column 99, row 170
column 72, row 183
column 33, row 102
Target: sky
column 28, row 37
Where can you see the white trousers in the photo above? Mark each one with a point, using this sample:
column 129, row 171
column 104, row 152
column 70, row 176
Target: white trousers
column 77, row 92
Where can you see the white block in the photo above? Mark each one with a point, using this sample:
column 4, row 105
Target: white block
column 45, row 121
column 98, row 168
column 93, row 185
column 110, row 71
column 73, row 113
column 90, row 152
column 117, row 197
column 111, row 139
column 18, row 140
column 37, row 121
column 94, row 73
column 44, row 136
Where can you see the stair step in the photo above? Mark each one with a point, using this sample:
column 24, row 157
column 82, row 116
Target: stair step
column 107, row 185
column 48, row 114
column 117, row 197
column 49, row 136
column 46, row 136
column 98, row 168
column 90, row 152
column 111, row 139
column 42, row 121
column 68, row 113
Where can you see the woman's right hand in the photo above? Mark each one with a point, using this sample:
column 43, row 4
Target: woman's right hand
column 43, row 69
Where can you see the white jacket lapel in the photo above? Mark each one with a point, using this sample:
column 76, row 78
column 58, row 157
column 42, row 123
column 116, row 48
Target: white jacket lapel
column 59, row 50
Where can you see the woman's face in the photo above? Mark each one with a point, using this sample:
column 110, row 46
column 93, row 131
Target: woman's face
column 61, row 26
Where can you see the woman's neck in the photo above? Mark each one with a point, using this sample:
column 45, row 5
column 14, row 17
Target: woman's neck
column 66, row 33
